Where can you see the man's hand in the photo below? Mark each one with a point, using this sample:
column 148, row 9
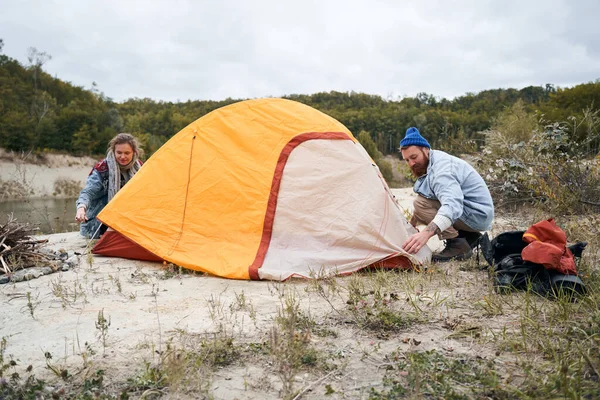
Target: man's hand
column 80, row 216
column 417, row 241
column 420, row 239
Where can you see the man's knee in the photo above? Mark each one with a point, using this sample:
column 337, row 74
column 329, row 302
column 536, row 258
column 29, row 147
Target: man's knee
column 424, row 209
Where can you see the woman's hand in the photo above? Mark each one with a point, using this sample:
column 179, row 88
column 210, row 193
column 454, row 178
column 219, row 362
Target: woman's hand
column 80, row 216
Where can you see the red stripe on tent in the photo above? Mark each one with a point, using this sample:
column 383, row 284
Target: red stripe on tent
column 113, row 244
column 272, row 203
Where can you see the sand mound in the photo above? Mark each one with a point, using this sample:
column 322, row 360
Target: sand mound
column 51, row 175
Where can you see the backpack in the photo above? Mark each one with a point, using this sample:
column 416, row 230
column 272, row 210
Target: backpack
column 511, row 272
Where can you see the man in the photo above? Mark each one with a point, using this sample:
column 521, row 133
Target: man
column 453, row 199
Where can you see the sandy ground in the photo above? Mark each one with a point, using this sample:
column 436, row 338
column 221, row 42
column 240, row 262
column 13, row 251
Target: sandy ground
column 153, row 309
column 147, row 307
column 150, row 308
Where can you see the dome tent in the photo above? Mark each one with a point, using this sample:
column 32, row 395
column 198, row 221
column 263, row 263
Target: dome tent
column 260, row 189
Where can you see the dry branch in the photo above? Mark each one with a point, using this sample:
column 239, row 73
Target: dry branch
column 18, row 250
column 4, row 266
column 590, row 202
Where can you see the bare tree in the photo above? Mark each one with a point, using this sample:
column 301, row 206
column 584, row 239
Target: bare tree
column 42, row 102
column 36, row 60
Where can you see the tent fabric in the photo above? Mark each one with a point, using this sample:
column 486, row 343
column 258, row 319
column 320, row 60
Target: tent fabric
column 113, row 244
column 262, row 189
column 343, row 228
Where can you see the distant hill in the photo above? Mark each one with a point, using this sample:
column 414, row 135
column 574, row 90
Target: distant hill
column 43, row 113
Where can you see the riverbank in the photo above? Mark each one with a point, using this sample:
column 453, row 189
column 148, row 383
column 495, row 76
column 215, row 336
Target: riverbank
column 25, row 176
column 29, row 176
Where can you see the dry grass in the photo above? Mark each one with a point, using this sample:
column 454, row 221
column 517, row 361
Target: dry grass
column 442, row 333
column 67, row 187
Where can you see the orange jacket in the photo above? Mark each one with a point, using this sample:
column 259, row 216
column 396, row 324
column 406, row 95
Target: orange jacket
column 548, row 246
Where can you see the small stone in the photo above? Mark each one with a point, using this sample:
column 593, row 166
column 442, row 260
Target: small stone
column 73, row 261
column 4, row 279
column 55, row 265
column 66, row 267
column 48, row 252
column 32, row 273
column 18, row 276
column 29, row 274
column 46, row 270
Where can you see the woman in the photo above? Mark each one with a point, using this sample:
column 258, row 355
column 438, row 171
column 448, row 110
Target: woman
column 105, row 180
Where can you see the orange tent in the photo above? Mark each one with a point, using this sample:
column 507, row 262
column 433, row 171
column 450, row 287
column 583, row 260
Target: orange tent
column 260, row 189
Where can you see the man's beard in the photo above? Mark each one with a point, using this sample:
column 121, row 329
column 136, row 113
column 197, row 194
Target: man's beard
column 420, row 169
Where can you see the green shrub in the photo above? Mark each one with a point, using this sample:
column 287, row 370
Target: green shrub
column 514, row 125
column 67, row 187
column 550, row 170
column 385, row 167
column 458, row 143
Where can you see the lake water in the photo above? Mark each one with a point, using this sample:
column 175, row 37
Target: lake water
column 50, row 215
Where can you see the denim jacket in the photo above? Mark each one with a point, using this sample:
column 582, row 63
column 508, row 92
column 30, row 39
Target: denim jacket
column 94, row 197
column 461, row 191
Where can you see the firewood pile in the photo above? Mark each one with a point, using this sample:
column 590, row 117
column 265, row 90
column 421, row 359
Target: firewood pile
column 18, row 250
column 23, row 257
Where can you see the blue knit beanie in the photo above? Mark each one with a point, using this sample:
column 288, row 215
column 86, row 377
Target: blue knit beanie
column 414, row 138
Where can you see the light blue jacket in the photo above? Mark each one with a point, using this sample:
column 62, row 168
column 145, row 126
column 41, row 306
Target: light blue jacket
column 94, row 197
column 461, row 191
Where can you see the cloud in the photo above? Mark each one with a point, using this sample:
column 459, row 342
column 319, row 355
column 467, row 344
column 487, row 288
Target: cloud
column 180, row 50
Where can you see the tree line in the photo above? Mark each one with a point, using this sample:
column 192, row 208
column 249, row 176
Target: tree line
column 40, row 113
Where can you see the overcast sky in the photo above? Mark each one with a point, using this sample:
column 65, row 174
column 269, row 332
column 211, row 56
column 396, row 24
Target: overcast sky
column 210, row 50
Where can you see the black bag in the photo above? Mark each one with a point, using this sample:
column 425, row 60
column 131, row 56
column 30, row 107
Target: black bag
column 511, row 272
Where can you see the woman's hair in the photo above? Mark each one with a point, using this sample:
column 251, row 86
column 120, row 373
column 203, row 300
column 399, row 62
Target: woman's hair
column 129, row 139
